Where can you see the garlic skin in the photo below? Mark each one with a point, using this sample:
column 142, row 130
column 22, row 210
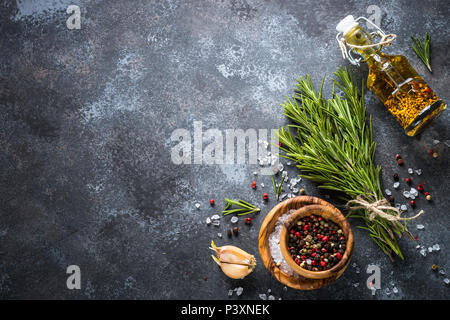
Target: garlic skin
column 234, row 262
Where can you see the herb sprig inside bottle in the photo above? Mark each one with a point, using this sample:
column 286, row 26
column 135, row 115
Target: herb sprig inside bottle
column 243, row 207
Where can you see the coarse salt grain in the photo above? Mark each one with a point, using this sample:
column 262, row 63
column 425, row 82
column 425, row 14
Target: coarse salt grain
column 274, row 245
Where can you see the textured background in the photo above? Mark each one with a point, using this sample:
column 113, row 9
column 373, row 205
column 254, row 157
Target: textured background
column 85, row 125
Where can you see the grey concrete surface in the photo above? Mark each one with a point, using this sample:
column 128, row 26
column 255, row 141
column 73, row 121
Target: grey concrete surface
column 86, row 118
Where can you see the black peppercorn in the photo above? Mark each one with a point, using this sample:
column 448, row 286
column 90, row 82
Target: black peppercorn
column 395, row 176
column 229, row 233
column 235, row 231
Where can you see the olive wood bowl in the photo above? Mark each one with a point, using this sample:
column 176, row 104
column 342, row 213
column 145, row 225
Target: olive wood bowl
column 295, row 281
column 327, row 213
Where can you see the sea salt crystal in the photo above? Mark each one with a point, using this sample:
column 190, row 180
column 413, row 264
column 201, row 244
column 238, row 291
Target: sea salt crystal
column 395, row 290
column 308, row 261
column 414, row 192
column 388, row 192
column 418, row 172
column 410, row 171
column 406, row 194
column 215, row 217
column 396, row 185
column 219, row 235
column 255, row 173
column 284, row 174
column 271, row 297
column 269, row 290
column 446, row 280
column 420, row 227
column 356, row 285
column 423, row 252
column 412, row 197
column 398, row 205
column 197, row 205
column 447, row 143
column 262, row 185
column 263, row 296
column 436, row 247
column 234, row 219
column 442, row 272
column 357, row 270
column 295, row 190
column 208, row 221
column 418, row 246
column 435, row 142
column 216, row 223
column 403, row 207
column 282, row 196
column 239, row 291
column 430, row 249
column 387, row 291
column 289, row 163
column 230, row 293
column 280, row 167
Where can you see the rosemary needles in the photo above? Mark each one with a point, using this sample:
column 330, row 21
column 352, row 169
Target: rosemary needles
column 423, row 49
column 331, row 142
column 277, row 187
column 243, row 207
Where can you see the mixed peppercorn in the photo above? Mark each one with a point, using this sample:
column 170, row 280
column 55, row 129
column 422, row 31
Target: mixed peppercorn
column 316, row 244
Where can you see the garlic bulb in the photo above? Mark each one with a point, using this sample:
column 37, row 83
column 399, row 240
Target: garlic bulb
column 234, row 262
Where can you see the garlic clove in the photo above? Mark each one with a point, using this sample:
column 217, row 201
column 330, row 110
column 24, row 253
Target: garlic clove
column 235, row 271
column 234, row 262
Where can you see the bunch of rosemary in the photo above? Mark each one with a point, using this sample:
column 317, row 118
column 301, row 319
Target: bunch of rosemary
column 334, row 147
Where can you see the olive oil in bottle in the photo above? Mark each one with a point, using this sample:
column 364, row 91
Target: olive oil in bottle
column 405, row 94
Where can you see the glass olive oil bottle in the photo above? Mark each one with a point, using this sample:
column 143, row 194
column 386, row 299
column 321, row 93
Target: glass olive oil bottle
column 405, row 94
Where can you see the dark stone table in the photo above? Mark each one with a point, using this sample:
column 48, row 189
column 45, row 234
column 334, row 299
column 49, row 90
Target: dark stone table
column 88, row 177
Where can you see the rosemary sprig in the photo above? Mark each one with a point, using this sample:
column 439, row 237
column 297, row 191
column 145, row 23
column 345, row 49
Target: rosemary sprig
column 423, row 49
column 334, row 147
column 244, row 207
column 277, row 188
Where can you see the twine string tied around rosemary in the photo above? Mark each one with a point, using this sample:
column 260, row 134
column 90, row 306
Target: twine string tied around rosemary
column 379, row 208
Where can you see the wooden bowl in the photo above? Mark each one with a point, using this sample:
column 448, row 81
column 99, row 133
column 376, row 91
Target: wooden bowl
column 328, row 213
column 294, row 281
